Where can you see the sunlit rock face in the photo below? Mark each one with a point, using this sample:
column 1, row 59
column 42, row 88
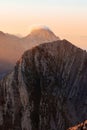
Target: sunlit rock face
column 81, row 126
column 47, row 89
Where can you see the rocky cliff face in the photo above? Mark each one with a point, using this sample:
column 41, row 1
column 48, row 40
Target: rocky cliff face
column 47, row 89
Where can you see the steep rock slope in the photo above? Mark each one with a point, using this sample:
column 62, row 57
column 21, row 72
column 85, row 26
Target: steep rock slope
column 47, row 89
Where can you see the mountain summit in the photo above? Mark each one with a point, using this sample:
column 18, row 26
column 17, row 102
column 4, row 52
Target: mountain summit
column 38, row 35
column 44, row 33
column 47, row 90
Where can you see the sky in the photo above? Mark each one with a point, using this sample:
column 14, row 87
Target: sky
column 66, row 18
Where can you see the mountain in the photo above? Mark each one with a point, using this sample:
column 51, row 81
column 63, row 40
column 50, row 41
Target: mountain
column 10, row 50
column 12, row 47
column 47, row 90
column 38, row 36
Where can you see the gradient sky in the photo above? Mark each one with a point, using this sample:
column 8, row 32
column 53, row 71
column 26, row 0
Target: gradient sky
column 67, row 18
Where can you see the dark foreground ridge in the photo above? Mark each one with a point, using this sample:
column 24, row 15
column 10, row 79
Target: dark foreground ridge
column 47, row 89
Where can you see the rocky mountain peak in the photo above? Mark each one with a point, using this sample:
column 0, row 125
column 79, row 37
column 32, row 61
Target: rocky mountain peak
column 42, row 32
column 47, row 90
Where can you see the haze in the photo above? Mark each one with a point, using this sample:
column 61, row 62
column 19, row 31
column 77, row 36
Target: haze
column 66, row 18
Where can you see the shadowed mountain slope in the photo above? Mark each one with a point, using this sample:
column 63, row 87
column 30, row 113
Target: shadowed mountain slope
column 47, row 89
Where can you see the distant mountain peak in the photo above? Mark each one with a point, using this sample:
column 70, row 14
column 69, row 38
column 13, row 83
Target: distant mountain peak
column 42, row 34
column 34, row 28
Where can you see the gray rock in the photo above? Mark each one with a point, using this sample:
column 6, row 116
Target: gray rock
column 47, row 89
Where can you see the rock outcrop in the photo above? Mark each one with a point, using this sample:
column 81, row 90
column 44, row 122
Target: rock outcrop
column 47, row 89
column 81, row 126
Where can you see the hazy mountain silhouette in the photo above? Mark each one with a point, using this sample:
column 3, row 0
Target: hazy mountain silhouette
column 38, row 36
column 12, row 47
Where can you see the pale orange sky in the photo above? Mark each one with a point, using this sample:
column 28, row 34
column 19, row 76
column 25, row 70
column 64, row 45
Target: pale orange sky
column 66, row 18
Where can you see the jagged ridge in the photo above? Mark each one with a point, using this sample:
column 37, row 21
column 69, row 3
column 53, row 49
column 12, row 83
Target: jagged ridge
column 47, row 89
